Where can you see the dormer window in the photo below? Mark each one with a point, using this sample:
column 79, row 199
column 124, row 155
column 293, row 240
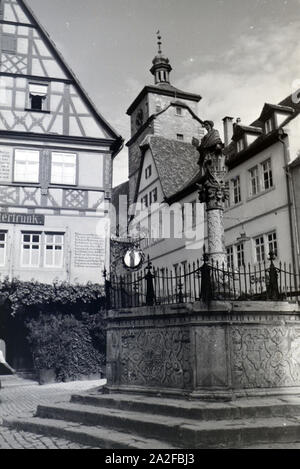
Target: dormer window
column 240, row 145
column 38, row 95
column 269, row 126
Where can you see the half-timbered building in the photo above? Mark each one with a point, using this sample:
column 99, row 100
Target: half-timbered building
column 56, row 154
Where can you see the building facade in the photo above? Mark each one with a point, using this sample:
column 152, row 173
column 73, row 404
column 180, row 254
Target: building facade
column 56, row 154
column 262, row 212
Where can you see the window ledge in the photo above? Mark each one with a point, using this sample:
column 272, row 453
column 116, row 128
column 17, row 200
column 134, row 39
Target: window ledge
column 252, row 197
column 25, row 183
column 42, row 111
column 234, row 206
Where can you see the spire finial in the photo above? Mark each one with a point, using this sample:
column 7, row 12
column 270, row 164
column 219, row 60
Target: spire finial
column 159, row 41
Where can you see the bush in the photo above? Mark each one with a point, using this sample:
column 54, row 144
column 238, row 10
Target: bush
column 30, row 298
column 73, row 347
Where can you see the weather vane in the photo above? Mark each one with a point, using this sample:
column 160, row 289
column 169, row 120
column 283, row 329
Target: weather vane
column 159, row 41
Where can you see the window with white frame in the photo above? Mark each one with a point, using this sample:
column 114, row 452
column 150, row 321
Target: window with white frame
column 31, row 249
column 178, row 111
column 54, row 249
column 240, row 254
column 240, row 145
column 254, row 181
column 272, row 243
column 236, row 186
column 63, row 168
column 260, row 249
column 38, row 97
column 3, row 243
column 267, row 175
column 269, row 125
column 230, row 257
column 26, row 166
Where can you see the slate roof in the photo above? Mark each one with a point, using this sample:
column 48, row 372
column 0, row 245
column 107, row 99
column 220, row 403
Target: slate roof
column 264, row 140
column 176, row 162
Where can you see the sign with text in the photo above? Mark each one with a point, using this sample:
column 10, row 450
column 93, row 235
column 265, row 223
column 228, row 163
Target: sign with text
column 21, row 219
column 89, row 251
column 5, row 166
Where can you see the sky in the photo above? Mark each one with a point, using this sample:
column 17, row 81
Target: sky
column 237, row 54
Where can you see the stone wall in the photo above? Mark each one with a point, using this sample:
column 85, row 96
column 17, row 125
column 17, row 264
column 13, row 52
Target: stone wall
column 230, row 349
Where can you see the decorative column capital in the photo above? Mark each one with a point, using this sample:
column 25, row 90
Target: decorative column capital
column 213, row 192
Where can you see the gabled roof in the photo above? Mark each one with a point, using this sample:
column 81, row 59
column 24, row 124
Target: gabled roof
column 289, row 106
column 155, row 115
column 70, row 74
column 176, row 163
column 240, row 130
column 268, row 109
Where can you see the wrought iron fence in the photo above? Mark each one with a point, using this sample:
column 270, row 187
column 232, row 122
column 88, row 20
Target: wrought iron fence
column 203, row 282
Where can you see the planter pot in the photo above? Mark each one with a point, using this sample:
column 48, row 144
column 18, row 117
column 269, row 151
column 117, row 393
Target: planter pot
column 47, row 376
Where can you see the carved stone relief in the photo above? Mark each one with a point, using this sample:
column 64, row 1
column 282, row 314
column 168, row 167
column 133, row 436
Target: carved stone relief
column 265, row 356
column 155, row 357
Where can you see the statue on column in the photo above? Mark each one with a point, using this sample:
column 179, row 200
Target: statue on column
column 210, row 149
column 212, row 166
column 213, row 190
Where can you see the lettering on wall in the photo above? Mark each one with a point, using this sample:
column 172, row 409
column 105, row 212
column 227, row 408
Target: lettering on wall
column 5, row 166
column 89, row 250
column 21, row 219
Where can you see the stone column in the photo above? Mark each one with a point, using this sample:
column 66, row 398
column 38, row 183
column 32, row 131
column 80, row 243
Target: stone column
column 214, row 192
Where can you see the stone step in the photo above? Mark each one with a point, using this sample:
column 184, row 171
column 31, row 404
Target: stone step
column 96, row 437
column 198, row 410
column 182, row 432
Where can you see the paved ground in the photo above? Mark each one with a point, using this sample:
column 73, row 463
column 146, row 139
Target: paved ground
column 20, row 398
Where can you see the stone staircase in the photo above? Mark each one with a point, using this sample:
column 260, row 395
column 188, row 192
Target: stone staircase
column 118, row 421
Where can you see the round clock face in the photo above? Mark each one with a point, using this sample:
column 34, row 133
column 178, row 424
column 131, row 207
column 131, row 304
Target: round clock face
column 139, row 118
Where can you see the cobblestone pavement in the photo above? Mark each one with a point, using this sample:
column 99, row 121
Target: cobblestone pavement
column 20, row 398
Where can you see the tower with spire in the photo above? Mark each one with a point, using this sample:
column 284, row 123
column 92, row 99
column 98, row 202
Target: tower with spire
column 161, row 65
column 162, row 110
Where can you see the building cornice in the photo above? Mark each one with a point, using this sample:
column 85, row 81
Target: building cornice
column 54, row 138
column 161, row 91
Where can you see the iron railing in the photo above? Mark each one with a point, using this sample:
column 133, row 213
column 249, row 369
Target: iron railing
column 204, row 281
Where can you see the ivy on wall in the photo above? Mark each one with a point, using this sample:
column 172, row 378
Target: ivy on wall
column 35, row 297
column 65, row 324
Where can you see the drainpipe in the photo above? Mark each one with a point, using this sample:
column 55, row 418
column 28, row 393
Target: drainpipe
column 286, row 152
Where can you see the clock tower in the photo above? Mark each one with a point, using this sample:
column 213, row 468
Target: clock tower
column 161, row 110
